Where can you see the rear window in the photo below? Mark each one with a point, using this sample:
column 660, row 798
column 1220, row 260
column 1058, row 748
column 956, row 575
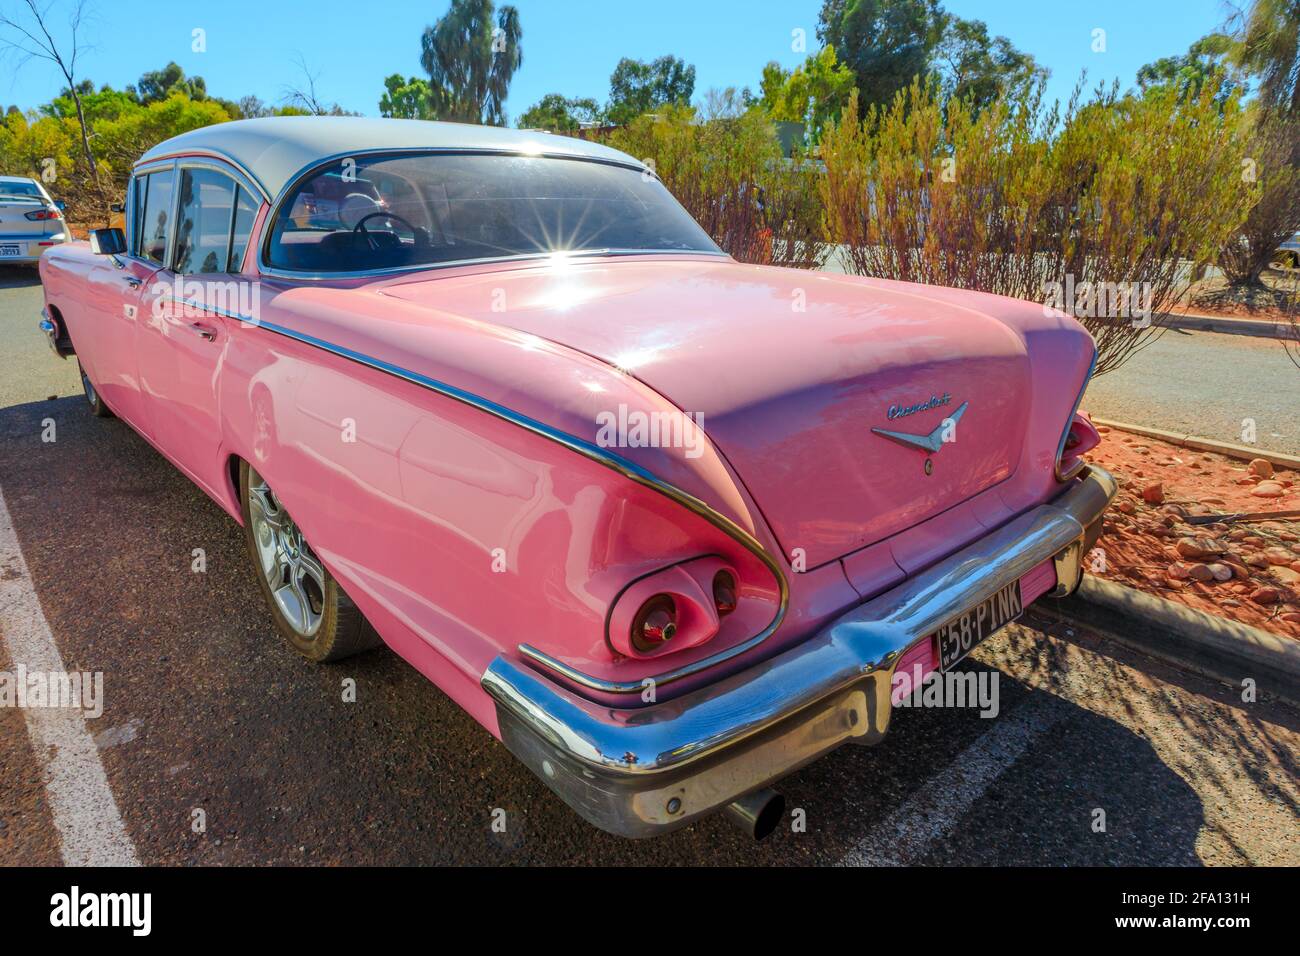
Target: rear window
column 20, row 190
column 382, row 212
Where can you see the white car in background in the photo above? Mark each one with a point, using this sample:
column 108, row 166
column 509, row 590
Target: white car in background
column 1289, row 252
column 30, row 221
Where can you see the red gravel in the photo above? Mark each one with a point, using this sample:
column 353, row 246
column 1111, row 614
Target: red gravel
column 1247, row 571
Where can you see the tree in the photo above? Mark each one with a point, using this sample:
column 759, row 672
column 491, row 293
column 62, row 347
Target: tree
column 729, row 176
column 157, row 85
column 724, row 103
column 250, row 107
column 1129, row 195
column 813, row 93
column 884, row 42
column 107, row 103
column 976, row 68
column 637, row 87
column 560, row 114
column 1207, row 60
column 1267, row 47
column 406, row 98
column 1275, row 216
column 1270, row 49
column 470, row 61
column 302, row 98
column 37, row 43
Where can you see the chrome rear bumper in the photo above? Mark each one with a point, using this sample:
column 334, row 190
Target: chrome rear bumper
column 57, row 337
column 637, row 772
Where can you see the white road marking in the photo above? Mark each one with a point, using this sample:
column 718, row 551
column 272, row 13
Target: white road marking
column 903, row 836
column 84, row 811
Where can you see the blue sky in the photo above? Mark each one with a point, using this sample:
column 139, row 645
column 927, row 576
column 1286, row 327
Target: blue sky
column 570, row 46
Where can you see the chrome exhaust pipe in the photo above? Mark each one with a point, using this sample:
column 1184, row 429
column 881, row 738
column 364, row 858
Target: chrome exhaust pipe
column 757, row 813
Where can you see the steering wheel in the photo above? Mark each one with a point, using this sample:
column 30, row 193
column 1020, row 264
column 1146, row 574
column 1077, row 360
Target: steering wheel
column 361, row 225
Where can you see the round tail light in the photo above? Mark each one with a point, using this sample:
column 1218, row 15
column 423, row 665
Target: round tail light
column 655, row 623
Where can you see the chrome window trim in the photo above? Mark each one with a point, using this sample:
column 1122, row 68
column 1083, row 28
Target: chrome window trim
column 264, row 246
column 1063, row 476
column 238, row 180
column 466, row 263
column 218, row 167
column 158, row 167
column 172, row 226
column 230, row 226
column 129, row 217
column 207, row 153
column 601, row 456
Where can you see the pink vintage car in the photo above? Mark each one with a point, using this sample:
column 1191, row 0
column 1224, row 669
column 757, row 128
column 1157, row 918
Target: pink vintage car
column 665, row 523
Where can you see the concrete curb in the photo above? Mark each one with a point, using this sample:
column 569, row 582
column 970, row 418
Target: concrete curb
column 1242, row 452
column 1261, row 328
column 1181, row 635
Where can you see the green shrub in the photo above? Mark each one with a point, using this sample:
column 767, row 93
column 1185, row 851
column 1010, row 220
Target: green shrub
column 122, row 131
column 730, row 175
column 1121, row 193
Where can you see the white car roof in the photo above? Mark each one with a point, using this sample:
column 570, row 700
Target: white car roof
column 17, row 179
column 274, row 150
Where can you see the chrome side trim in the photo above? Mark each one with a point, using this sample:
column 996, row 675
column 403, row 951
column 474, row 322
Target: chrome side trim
column 601, row 456
column 1077, row 468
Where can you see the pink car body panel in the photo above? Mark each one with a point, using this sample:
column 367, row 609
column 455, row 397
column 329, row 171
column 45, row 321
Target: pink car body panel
column 417, row 433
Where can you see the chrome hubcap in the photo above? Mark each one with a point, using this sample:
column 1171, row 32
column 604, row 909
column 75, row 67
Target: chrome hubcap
column 90, row 389
column 294, row 573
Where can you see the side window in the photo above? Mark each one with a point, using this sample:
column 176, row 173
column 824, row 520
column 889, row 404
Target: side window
column 246, row 206
column 203, row 221
column 155, row 211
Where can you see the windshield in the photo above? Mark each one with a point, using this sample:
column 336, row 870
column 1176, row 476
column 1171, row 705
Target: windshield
column 383, row 212
column 20, row 190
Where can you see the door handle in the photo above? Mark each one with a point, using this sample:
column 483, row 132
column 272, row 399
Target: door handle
column 133, row 282
column 204, row 331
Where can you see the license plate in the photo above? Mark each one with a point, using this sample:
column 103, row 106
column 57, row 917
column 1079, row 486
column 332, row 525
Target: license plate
column 9, row 250
column 962, row 634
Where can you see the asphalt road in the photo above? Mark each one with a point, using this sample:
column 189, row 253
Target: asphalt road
column 1206, row 384
column 27, row 370
column 208, row 716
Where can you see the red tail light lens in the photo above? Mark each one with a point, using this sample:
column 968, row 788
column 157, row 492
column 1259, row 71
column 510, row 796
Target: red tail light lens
column 40, row 214
column 1080, row 438
column 655, row 623
column 724, row 592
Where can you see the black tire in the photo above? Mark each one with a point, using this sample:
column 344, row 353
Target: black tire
column 93, row 398
column 342, row 630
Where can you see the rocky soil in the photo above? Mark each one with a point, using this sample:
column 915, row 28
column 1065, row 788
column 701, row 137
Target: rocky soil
column 1247, row 571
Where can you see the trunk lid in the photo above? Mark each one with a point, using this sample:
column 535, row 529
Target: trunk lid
column 789, row 373
column 14, row 223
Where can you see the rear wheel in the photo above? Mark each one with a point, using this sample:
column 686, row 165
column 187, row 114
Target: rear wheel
column 93, row 399
column 309, row 607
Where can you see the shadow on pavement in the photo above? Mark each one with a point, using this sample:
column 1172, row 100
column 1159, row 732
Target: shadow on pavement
column 18, row 277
